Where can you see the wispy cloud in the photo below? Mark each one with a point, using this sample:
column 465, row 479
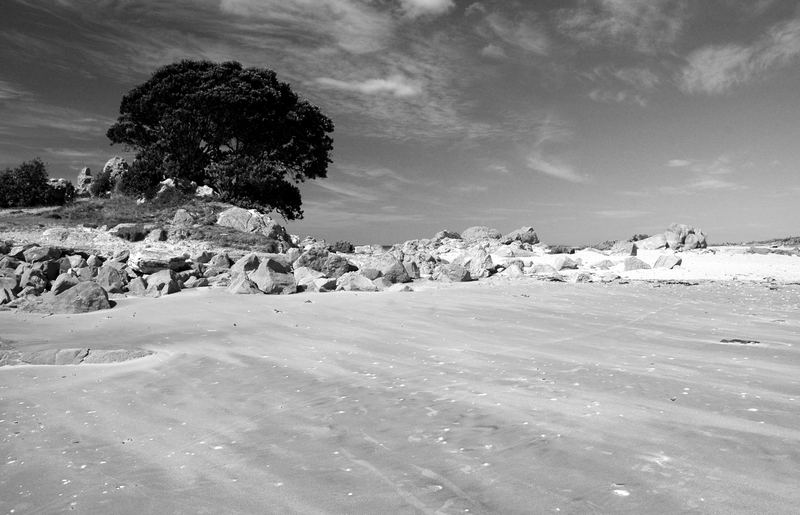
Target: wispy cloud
column 396, row 85
column 647, row 26
column 416, row 8
column 524, row 33
column 630, row 85
column 718, row 69
column 9, row 92
column 721, row 165
column 707, row 175
column 544, row 160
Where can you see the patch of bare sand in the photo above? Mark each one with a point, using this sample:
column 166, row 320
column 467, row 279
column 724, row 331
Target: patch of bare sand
column 517, row 397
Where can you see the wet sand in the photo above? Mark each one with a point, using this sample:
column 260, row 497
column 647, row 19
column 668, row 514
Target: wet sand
column 490, row 397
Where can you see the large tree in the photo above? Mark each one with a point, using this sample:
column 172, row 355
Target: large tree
column 239, row 130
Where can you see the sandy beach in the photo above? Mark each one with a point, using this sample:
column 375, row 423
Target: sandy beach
column 491, row 397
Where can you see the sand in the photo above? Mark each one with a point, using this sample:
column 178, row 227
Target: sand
column 493, row 397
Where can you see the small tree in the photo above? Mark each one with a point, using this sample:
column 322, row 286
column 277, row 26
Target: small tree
column 239, row 130
column 27, row 185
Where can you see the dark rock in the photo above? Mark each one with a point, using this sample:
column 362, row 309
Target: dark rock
column 111, row 279
column 34, row 279
column 336, row 266
column 439, row 236
column 63, row 283
column 37, row 254
column 82, row 298
column 370, row 273
column 523, row 235
column 220, row 260
column 314, row 258
column 162, row 283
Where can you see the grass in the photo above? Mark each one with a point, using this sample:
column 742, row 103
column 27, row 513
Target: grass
column 97, row 212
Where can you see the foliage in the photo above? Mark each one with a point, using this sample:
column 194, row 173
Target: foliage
column 27, row 186
column 345, row 247
column 101, row 184
column 142, row 179
column 237, row 129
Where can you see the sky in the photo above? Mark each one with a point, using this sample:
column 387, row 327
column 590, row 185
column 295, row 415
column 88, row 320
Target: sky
column 588, row 120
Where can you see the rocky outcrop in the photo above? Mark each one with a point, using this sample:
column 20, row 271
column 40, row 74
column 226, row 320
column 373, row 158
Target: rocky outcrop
column 82, row 298
column 115, row 167
column 480, row 233
column 251, row 220
column 83, row 182
column 523, row 235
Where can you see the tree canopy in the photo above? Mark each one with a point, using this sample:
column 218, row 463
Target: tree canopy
column 239, row 130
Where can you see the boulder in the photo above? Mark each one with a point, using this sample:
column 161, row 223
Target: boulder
column 116, row 167
column 634, row 263
column 220, row 260
column 370, row 273
column 668, row 261
column 111, row 279
column 313, row 258
column 129, row 231
column 451, row 272
column 522, row 235
column 623, row 248
column 412, row 269
column 82, row 298
column 543, row 269
column 604, row 264
column 691, row 242
column 480, row 233
column 9, row 279
column 674, row 239
column 6, row 296
column 33, row 279
column 63, row 283
column 83, row 182
column 305, row 276
column 441, row 235
column 149, row 262
column 564, row 263
column 658, row 241
column 137, row 286
column 272, row 277
column 250, row 220
column 156, row 235
column 245, row 264
column 478, row 263
column 182, row 218
column 513, row 271
column 323, row 284
column 204, row 191
column 38, row 254
column 336, row 266
column 354, row 281
column 241, row 285
column 195, row 282
column 162, row 283
column 382, row 283
column 78, row 261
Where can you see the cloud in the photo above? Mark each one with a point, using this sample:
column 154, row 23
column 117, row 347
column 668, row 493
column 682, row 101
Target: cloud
column 721, row 165
column 622, row 85
column 542, row 159
column 708, row 175
column 553, row 167
column 718, row 69
column 524, row 33
column 395, row 85
column 493, row 51
column 416, row 8
column 498, row 168
column 678, row 163
column 10, row 92
column 649, row 26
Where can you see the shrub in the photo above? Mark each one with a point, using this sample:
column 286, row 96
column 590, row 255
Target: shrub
column 143, row 177
column 101, row 184
column 27, row 185
column 345, row 247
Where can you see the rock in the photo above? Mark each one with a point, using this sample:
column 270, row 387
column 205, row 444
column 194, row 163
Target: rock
column 129, row 231
column 523, row 235
column 111, row 279
column 162, row 283
column 336, row 266
column 63, row 283
column 370, row 273
column 658, row 241
column 137, row 286
column 50, row 269
column 245, row 264
column 382, row 283
column 18, row 251
column 149, row 262
column 204, row 191
column 451, row 272
column 603, row 265
column 480, row 233
column 478, row 263
column 580, row 277
column 9, row 279
column 250, row 220
column 354, row 281
column 195, row 282
column 634, row 263
column 323, row 284
column 182, row 218
column 83, row 182
column 305, row 276
column 77, row 261
column 691, row 242
column 668, row 261
column 314, row 258
column 156, row 235
column 82, row 298
column 220, row 280
column 513, row 271
column 114, row 355
column 393, row 270
column 272, row 277
column 87, row 273
column 543, row 269
column 241, row 285
column 116, row 167
column 412, row 269
column 674, row 239
column 6, row 296
column 441, row 235
column 120, row 256
column 34, row 279
column 37, row 254
column 624, row 248
column 220, row 260
column 292, row 254
column 564, row 263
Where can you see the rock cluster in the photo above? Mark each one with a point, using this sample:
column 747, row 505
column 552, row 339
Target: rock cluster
column 677, row 237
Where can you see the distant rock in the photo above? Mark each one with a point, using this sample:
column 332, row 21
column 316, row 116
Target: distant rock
column 564, row 262
column 313, row 258
column 623, row 248
column 658, row 241
column 634, row 263
column 116, row 167
column 668, row 261
column 250, row 220
column 451, row 272
column 354, row 281
column 83, row 182
column 272, row 277
column 82, row 298
column 522, row 235
column 441, row 235
column 480, row 233
column 162, row 283
column 152, row 261
column 336, row 266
